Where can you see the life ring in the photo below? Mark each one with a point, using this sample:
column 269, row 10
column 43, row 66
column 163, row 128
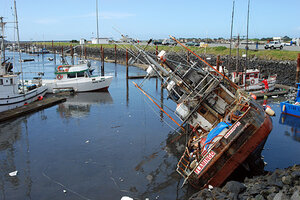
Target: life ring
column 60, row 68
column 59, row 76
column 252, row 82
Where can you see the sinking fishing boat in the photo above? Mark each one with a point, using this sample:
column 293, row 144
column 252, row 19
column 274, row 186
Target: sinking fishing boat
column 292, row 107
column 228, row 128
column 77, row 78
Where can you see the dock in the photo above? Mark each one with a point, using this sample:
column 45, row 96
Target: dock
column 30, row 108
column 283, row 89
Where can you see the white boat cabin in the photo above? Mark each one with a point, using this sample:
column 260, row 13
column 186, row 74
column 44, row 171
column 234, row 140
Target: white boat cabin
column 251, row 77
column 65, row 72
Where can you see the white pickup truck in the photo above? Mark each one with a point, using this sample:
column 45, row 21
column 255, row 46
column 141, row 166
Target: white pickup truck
column 273, row 45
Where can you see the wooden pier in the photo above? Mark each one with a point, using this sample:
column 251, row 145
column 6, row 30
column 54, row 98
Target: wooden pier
column 283, row 89
column 30, row 108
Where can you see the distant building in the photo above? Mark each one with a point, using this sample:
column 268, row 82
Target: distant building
column 277, row 39
column 82, row 41
column 101, row 41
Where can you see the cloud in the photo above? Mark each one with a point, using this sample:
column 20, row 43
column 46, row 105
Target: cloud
column 46, row 21
column 115, row 15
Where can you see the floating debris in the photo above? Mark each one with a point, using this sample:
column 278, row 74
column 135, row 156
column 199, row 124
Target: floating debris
column 14, row 173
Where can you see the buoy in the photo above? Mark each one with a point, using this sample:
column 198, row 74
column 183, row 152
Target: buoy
column 25, row 104
column 253, row 96
column 283, row 108
column 40, row 98
column 269, row 111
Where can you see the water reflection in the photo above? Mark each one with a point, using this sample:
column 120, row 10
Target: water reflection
column 79, row 105
column 294, row 123
column 10, row 133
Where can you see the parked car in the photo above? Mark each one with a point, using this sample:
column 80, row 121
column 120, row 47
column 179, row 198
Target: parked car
column 274, row 45
column 168, row 42
column 157, row 42
column 190, row 44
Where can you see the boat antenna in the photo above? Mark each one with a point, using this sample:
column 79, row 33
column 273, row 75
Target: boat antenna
column 231, row 32
column 18, row 40
column 97, row 22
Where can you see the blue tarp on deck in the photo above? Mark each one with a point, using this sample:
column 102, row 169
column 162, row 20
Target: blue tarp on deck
column 216, row 131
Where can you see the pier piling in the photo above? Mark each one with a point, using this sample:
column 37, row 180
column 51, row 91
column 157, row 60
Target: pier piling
column 115, row 54
column 126, row 63
column 102, row 61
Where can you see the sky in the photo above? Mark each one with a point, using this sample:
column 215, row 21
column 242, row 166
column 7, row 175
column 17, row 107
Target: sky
column 48, row 20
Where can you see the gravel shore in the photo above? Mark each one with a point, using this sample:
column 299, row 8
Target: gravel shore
column 282, row 184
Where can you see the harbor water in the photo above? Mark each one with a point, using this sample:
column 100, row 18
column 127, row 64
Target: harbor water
column 107, row 145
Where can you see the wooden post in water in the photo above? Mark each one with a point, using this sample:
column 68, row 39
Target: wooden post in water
column 84, row 52
column 156, row 52
column 115, row 54
column 102, row 61
column 298, row 68
column 72, row 54
column 126, row 63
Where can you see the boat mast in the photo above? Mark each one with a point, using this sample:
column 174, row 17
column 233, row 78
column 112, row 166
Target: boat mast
column 247, row 47
column 2, row 55
column 231, row 32
column 97, row 22
column 19, row 49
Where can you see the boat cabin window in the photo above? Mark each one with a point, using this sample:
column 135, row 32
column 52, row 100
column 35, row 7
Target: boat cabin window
column 247, row 76
column 11, row 81
column 256, row 75
column 1, row 81
column 80, row 74
column 72, row 75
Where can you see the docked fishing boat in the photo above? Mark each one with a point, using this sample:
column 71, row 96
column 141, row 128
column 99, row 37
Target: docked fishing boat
column 14, row 93
column 251, row 81
column 228, row 128
column 292, row 107
column 77, row 78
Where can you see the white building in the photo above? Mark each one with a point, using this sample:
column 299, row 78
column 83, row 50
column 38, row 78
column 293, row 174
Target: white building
column 82, row 41
column 101, row 41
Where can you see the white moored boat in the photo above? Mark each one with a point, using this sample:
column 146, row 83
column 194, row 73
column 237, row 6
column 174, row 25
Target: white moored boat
column 77, row 78
column 12, row 93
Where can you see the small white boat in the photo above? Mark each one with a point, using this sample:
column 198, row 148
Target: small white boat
column 77, row 78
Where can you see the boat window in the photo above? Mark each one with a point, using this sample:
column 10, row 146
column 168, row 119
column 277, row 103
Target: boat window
column 203, row 110
column 1, row 81
column 256, row 75
column 11, row 81
column 72, row 75
column 247, row 76
column 80, row 74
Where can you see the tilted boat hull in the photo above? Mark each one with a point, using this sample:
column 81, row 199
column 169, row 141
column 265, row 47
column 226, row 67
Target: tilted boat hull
column 255, row 126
